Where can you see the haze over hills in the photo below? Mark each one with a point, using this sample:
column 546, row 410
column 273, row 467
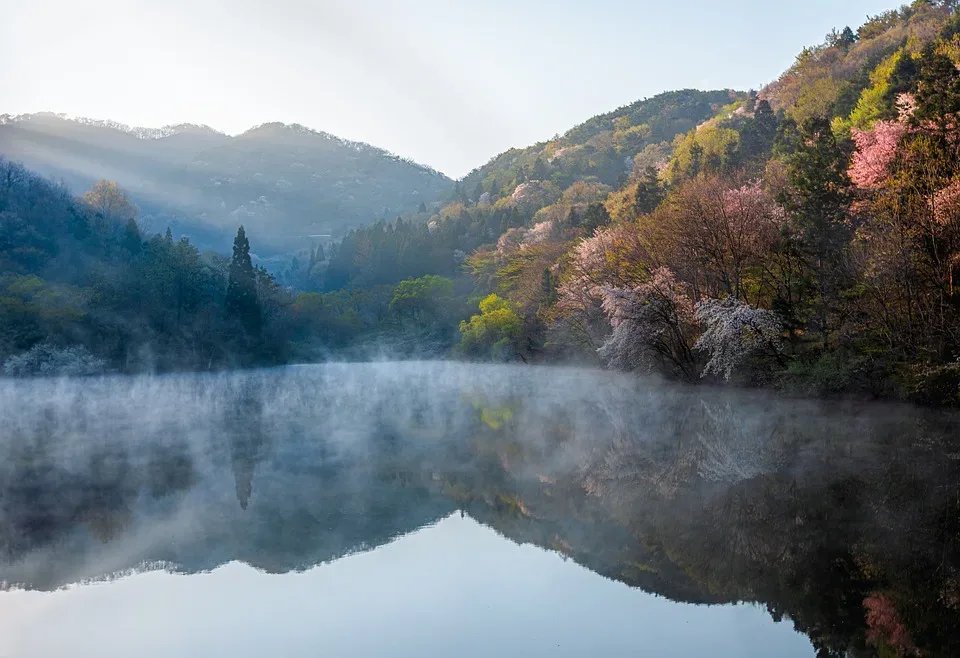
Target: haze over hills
column 281, row 181
column 286, row 183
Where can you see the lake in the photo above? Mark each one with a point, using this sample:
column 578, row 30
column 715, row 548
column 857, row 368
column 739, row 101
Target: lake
column 435, row 509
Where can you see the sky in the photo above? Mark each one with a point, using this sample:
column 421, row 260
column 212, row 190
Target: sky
column 447, row 83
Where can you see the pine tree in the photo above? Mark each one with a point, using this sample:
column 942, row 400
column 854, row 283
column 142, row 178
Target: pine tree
column 649, row 193
column 132, row 241
column 241, row 301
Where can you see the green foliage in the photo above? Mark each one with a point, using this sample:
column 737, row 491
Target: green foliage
column 600, row 147
column 834, row 374
column 710, row 148
column 493, row 333
column 877, row 101
column 242, row 302
column 595, row 216
column 428, row 295
column 72, row 277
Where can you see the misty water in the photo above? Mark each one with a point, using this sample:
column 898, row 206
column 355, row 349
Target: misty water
column 437, row 509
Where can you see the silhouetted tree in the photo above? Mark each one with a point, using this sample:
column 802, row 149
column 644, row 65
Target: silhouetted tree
column 241, row 301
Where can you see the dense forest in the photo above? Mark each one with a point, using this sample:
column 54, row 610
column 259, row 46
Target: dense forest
column 805, row 236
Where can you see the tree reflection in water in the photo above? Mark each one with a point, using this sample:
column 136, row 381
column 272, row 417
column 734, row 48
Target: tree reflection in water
column 842, row 517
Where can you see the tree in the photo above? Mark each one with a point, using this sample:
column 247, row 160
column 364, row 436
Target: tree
column 493, row 333
column 540, row 171
column 715, row 237
column 594, row 217
column 818, row 198
column 734, row 332
column 241, row 301
column 110, row 201
column 132, row 240
column 424, row 300
column 649, row 192
column 653, row 327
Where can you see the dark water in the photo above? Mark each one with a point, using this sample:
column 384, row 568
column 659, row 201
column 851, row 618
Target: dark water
column 443, row 509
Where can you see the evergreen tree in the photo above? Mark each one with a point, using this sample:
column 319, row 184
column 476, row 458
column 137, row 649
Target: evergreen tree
column 241, row 301
column 818, row 200
column 594, row 217
column 846, row 39
column 540, row 171
column 649, row 192
column 132, row 241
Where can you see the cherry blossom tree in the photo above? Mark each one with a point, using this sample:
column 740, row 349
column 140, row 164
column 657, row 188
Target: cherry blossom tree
column 614, row 257
column 653, row 324
column 734, row 332
column 876, row 151
column 885, row 626
column 712, row 234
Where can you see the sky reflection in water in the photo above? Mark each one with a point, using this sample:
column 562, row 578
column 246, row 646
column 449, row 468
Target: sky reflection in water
column 452, row 589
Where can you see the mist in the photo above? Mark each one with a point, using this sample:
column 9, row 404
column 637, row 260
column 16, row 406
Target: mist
column 287, row 468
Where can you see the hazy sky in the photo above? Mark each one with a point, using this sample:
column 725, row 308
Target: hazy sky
column 445, row 82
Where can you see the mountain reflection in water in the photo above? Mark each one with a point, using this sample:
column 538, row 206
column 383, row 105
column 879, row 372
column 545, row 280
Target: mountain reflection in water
column 841, row 520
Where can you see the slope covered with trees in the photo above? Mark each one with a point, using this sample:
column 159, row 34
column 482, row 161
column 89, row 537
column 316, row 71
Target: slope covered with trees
column 804, row 236
column 83, row 290
column 283, row 182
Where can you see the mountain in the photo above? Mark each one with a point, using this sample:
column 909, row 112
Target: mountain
column 283, row 182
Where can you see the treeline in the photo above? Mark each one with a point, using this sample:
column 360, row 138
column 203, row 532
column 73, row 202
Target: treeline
column 83, row 290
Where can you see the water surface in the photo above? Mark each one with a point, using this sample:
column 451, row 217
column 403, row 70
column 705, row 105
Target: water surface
column 445, row 509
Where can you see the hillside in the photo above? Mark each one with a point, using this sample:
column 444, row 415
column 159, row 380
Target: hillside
column 606, row 147
column 557, row 181
column 805, row 236
column 283, row 182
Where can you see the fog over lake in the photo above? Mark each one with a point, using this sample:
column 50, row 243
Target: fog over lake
column 441, row 508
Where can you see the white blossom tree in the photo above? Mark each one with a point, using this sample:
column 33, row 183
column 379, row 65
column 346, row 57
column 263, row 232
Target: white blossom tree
column 733, row 332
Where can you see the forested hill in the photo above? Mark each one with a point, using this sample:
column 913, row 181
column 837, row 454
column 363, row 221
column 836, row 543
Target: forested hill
column 805, row 236
column 283, row 182
column 545, row 182
column 605, row 148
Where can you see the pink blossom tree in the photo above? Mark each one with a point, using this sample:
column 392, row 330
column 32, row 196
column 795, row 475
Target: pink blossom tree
column 876, row 151
column 653, row 325
column 613, row 257
column 885, row 627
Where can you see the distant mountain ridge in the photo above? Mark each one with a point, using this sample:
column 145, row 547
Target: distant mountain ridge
column 283, row 181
